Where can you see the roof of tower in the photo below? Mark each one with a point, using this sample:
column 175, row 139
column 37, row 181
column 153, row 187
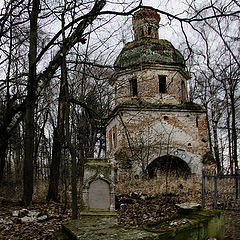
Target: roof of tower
column 147, row 51
column 147, row 13
column 147, row 48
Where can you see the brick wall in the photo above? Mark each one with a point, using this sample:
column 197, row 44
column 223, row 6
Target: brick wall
column 148, row 85
column 159, row 132
column 152, row 119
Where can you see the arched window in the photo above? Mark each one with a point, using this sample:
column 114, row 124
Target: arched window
column 149, row 30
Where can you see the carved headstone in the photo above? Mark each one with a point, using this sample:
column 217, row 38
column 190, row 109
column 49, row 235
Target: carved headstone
column 99, row 195
column 98, row 188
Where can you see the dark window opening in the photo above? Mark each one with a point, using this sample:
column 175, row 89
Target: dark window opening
column 110, row 139
column 133, row 87
column 142, row 32
column 162, row 84
column 149, row 30
column 165, row 118
column 197, row 121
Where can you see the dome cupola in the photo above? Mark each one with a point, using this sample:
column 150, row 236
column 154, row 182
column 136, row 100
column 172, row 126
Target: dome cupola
column 149, row 68
column 147, row 48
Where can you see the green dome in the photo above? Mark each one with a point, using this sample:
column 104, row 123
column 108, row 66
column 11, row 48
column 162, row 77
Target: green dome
column 147, row 51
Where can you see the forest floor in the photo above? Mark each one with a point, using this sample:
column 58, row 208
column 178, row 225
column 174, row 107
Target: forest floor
column 134, row 213
column 12, row 228
column 137, row 208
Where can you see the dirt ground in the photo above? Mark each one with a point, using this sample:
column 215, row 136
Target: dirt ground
column 232, row 225
column 134, row 212
column 11, row 228
column 143, row 211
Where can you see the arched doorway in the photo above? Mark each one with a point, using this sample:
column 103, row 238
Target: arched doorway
column 168, row 164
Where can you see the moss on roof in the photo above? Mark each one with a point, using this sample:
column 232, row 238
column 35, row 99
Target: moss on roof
column 148, row 51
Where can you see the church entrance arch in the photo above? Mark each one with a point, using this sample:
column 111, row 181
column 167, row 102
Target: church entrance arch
column 168, row 164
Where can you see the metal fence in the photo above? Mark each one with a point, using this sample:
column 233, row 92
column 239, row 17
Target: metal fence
column 220, row 191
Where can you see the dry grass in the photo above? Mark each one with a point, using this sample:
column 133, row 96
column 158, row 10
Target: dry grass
column 189, row 189
column 13, row 191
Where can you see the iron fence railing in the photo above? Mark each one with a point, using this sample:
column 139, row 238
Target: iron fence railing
column 220, row 191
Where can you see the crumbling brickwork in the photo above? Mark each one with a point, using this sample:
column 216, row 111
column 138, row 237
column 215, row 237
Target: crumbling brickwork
column 145, row 24
column 148, row 85
column 152, row 115
column 159, row 131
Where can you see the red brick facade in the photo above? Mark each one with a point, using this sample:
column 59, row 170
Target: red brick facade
column 153, row 117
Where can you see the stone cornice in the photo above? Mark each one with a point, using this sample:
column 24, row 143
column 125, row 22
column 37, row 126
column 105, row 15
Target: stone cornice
column 138, row 105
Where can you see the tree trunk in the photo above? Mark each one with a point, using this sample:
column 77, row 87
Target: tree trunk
column 215, row 146
column 54, row 167
column 58, row 141
column 3, row 154
column 30, row 107
column 209, row 130
column 73, row 177
column 234, row 133
column 70, row 145
column 59, row 134
column 229, row 134
column 4, row 136
column 17, row 157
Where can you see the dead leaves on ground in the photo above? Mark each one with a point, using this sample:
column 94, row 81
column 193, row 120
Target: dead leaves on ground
column 138, row 211
column 12, row 228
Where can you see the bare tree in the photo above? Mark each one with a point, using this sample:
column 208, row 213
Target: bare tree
column 30, row 85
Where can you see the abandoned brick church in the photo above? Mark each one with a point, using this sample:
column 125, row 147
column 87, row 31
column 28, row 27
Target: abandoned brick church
column 154, row 127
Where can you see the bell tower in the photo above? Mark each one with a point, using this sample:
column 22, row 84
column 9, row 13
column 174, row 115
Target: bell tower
column 154, row 122
column 149, row 68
